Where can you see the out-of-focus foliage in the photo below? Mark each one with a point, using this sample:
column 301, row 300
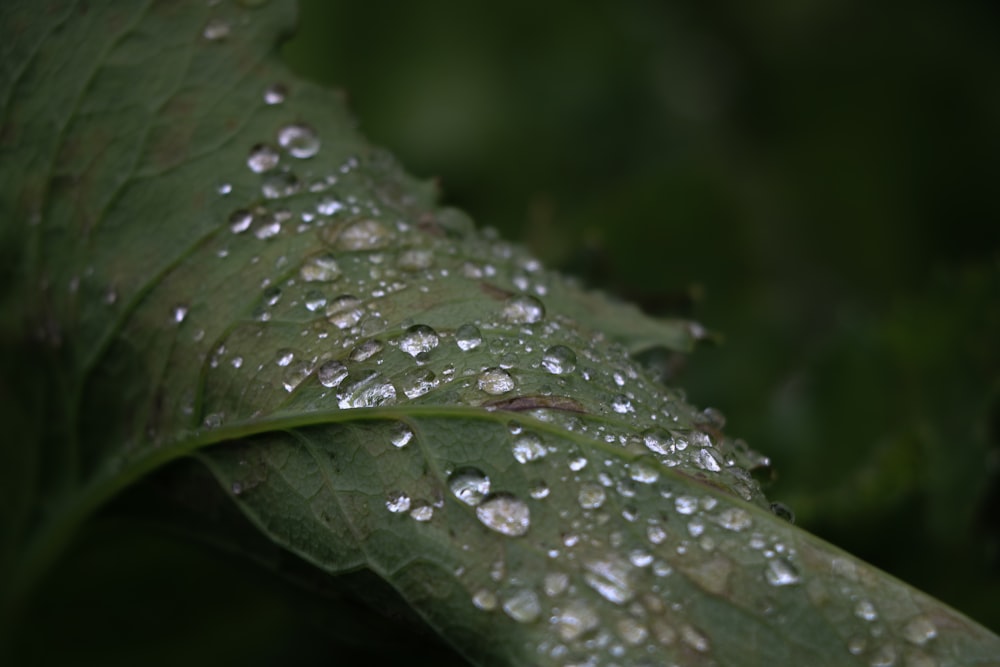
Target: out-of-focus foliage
column 813, row 179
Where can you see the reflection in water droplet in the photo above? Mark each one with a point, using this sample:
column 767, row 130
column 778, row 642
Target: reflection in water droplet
column 734, row 518
column 610, row 578
column 523, row 606
column 559, row 360
column 919, row 630
column 301, row 141
column 366, row 350
column 632, row 631
column 295, row 374
column 495, row 381
column 275, row 93
column 865, row 610
column 470, row 485
column 686, row 504
column 344, row 311
column 363, row 235
column 314, row 300
column 485, row 600
column 658, row 441
column 539, row 490
column 415, row 259
column 505, row 514
column 262, row 158
column 322, row 269
column 401, row 436
column 398, row 502
column 575, row 619
column 331, row 373
column 528, row 447
column 418, row 339
column 642, row 473
column 178, row 314
column 422, row 512
column 239, row 221
column 467, row 337
column 591, row 496
column 328, row 206
column 780, row 572
column 705, row 460
column 215, row 30
column 621, row 404
column 523, row 309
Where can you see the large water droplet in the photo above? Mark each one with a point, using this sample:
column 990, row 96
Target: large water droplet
column 643, row 473
column 300, row 141
column 591, row 496
column 495, row 381
column 523, row 309
column 262, row 158
column 331, row 373
column 467, row 337
column 780, row 572
column 418, row 339
column 528, row 447
column 523, row 606
column 279, row 184
column 363, row 235
column 370, row 391
column 734, row 518
column 322, row 269
column 610, row 578
column 505, row 513
column 559, row 360
column 470, row 485
column 705, row 459
column 658, row 441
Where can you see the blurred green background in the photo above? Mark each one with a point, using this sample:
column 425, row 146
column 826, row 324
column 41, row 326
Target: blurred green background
column 816, row 180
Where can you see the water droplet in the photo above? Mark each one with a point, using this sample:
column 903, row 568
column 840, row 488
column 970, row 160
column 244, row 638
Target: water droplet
column 178, row 314
column 865, row 610
column 284, row 357
column 301, row 141
column 269, row 227
column 621, row 404
column 577, row 464
column 591, row 496
column 314, row 300
column 467, row 337
column 363, row 235
column 705, row 459
column 275, row 93
column 422, row 512
column 418, row 382
column 331, row 373
column 239, row 221
column 485, row 600
column 344, row 311
column 919, row 630
column 559, row 360
column 505, row 513
column 883, row 656
column 780, row 572
column 216, row 30
column 262, row 158
column 640, row 558
column 470, row 485
column 632, row 631
column 366, row 350
column 783, row 511
column 694, row 639
column 398, row 502
column 368, row 392
column 523, row 309
column 655, row 533
column 686, row 504
column 495, row 381
column 642, row 473
column 320, row 269
column 295, row 374
column 237, row 488
column 575, row 619
column 279, row 184
column 401, row 436
column 539, row 490
column 523, row 606
column 734, row 518
column 528, row 447
column 610, row 578
column 555, row 583
column 418, row 339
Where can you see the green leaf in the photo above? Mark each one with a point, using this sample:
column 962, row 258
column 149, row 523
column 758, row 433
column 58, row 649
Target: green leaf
column 209, row 260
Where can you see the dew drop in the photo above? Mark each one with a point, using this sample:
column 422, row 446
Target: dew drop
column 331, row 373
column 368, row 392
column 295, row 374
column 301, row 141
column 505, row 513
column 314, row 300
column 539, row 490
column 239, row 221
column 686, row 504
column 398, row 502
column 320, row 269
column 269, row 227
column 734, row 518
column 783, row 511
column 363, row 235
column 523, row 606
column 262, row 158
column 621, row 404
column 865, row 610
column 401, row 436
column 328, row 206
column 642, row 473
column 418, row 382
column 591, row 496
column 275, row 94
column 780, row 572
column 495, row 381
column 485, row 600
column 632, row 631
column 575, row 619
column 523, row 309
column 694, row 638
column 610, row 578
column 284, row 357
column 470, row 485
column 555, row 583
column 422, row 512
column 344, row 311
column 559, row 360
column 178, row 314
column 706, row 460
column 528, row 447
column 919, row 630
column 216, row 30
column 279, row 184
column 467, row 337
column 418, row 339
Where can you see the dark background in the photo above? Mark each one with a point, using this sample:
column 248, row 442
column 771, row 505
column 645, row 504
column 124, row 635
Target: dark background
column 815, row 180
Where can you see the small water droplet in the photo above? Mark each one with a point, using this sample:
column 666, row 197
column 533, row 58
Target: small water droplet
column 279, row 184
column 694, row 638
column 865, row 610
column 640, row 557
column 401, row 436
column 262, row 158
column 559, row 360
column 422, row 512
column 284, row 357
column 705, row 459
column 780, row 572
column 314, row 300
column 577, row 464
column 269, row 227
column 344, row 311
column 239, row 221
column 363, row 235
column 275, row 93
column 528, row 447
column 323, row 269
column 632, row 631
column 495, row 381
column 295, row 374
column 643, row 473
column 883, row 656
column 467, row 337
column 919, row 630
column 686, row 504
column 418, row 339
column 621, row 404
column 178, row 313
column 301, row 141
column 505, row 513
column 523, row 606
column 216, row 30
column 366, row 350
column 237, row 488
column 398, row 502
column 591, row 496
column 575, row 619
column 417, row 382
column 331, row 373
column 470, row 485
column 539, row 490
column 555, row 583
column 610, row 578
column 485, row 600
column 734, row 518
column 523, row 309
